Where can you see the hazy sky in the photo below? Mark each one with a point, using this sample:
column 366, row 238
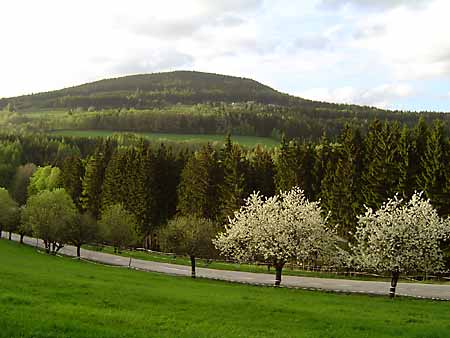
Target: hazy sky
column 387, row 53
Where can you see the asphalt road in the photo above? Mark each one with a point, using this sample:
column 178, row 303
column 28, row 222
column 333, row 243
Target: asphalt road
column 431, row 291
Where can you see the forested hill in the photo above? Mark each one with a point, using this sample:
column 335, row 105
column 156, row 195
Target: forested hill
column 154, row 90
column 150, row 90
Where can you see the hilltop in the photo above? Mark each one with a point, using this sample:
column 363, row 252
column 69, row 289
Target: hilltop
column 149, row 90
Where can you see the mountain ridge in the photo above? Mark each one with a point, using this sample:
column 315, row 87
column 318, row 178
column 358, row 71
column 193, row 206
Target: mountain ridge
column 154, row 89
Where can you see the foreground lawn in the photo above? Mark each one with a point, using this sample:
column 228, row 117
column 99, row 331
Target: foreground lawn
column 247, row 141
column 45, row 296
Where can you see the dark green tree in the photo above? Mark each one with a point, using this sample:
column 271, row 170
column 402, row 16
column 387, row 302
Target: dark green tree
column 232, row 188
column 260, row 176
column 19, row 186
column 381, row 175
column 285, row 167
column 93, row 179
column 72, row 178
column 198, row 192
column 433, row 180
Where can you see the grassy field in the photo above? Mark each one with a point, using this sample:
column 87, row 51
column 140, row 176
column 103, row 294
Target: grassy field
column 47, row 296
column 248, row 141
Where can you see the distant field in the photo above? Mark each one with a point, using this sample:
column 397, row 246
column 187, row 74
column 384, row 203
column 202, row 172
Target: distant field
column 48, row 296
column 247, row 141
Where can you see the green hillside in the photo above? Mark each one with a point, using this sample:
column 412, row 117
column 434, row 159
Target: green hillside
column 149, row 90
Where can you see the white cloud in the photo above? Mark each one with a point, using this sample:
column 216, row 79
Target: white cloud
column 414, row 44
column 382, row 96
column 372, row 4
column 147, row 61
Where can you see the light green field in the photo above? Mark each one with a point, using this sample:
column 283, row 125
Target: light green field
column 247, row 141
column 48, row 296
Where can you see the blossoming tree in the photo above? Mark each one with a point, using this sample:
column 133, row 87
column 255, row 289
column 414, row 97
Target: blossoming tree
column 276, row 230
column 400, row 237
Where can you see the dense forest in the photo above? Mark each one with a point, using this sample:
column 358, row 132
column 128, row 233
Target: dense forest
column 192, row 103
column 155, row 182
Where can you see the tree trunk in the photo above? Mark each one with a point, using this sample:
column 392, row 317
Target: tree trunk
column 78, row 251
column 21, row 238
column 47, row 246
column 10, row 235
column 394, row 280
column 278, row 269
column 192, row 266
column 58, row 247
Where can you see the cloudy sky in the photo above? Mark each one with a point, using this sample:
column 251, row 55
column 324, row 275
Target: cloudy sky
column 388, row 53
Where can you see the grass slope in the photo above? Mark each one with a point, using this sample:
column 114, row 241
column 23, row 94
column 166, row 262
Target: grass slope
column 247, row 141
column 45, row 296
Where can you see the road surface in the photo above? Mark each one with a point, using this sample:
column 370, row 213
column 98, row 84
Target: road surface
column 431, row 291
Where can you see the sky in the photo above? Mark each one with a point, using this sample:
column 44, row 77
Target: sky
column 391, row 54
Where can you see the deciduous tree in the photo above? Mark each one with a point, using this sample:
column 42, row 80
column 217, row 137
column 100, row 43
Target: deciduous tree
column 400, row 237
column 278, row 229
column 50, row 214
column 191, row 236
column 118, row 227
column 9, row 212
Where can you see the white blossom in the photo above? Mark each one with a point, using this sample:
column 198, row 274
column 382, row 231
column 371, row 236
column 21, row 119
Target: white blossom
column 278, row 229
column 401, row 235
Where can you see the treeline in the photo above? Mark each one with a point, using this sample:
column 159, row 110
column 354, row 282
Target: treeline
column 157, row 183
column 354, row 172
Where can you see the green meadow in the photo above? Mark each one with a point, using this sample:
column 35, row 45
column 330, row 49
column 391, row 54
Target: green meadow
column 50, row 296
column 247, row 141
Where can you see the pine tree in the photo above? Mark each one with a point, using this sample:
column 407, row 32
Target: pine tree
column 93, row 179
column 260, row 176
column 434, row 162
column 72, row 176
column 406, row 165
column 198, row 189
column 381, row 175
column 114, row 188
column 420, row 135
column 323, row 153
column 285, row 168
column 232, row 189
column 353, row 148
column 304, row 161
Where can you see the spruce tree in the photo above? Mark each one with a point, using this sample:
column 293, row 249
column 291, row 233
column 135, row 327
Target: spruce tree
column 72, row 176
column 232, row 188
column 406, row 164
column 285, row 167
column 434, row 163
column 420, row 135
column 260, row 176
column 381, row 175
column 198, row 189
column 93, row 179
column 114, row 188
